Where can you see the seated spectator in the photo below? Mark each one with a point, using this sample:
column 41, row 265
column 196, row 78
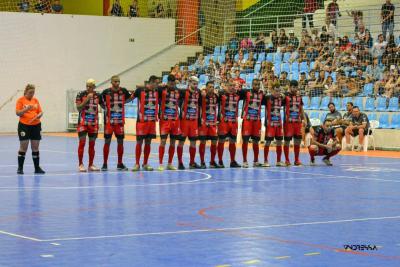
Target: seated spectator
column 392, row 87
column 200, row 64
column 330, row 88
column 335, row 118
column 273, row 44
column 356, row 83
column 210, row 70
column 345, row 44
column 176, row 71
column 282, row 40
column 324, row 143
column 303, row 82
column 133, row 11
column 260, row 43
column 389, row 57
column 359, row 125
column 314, row 34
column 42, row 6
column 293, row 40
column 238, row 82
column 317, row 88
column 233, row 45
column 246, row 44
column 379, row 47
column 379, row 86
column 284, row 81
column 294, row 55
column 24, row 6
column 57, row 7
column 324, row 35
column 374, row 72
column 249, row 64
column 159, row 11
column 115, row 9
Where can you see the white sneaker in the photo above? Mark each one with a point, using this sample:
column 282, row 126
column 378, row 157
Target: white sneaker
column 245, row 165
column 280, row 164
column 93, row 168
column 266, row 165
column 82, row 168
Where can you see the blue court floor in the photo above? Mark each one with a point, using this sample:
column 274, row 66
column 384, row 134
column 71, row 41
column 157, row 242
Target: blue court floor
column 297, row 216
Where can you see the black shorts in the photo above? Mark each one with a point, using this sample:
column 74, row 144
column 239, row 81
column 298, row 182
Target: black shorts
column 355, row 132
column 29, row 132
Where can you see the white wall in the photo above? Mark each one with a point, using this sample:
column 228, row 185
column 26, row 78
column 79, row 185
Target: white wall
column 59, row 52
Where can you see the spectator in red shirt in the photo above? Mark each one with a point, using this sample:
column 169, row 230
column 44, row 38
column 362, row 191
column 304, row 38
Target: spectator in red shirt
column 309, row 8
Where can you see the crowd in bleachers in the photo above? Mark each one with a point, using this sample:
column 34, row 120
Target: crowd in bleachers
column 41, row 6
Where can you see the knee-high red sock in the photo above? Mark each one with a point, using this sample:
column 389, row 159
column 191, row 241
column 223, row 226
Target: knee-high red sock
column 213, row 150
column 202, row 151
column 120, row 151
column 106, row 151
column 171, row 152
column 312, row 153
column 278, row 153
column 161, row 151
column 256, row 151
column 91, row 152
column 81, row 150
column 296, row 152
column 138, row 152
column 286, row 151
column 333, row 153
column 220, row 150
column 245, row 146
column 179, row 151
column 147, row 148
column 266, row 152
column 192, row 152
column 232, row 151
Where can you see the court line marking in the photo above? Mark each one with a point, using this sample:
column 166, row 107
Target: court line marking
column 312, row 254
column 20, row 236
column 47, row 256
column 282, row 257
column 250, row 262
column 222, row 229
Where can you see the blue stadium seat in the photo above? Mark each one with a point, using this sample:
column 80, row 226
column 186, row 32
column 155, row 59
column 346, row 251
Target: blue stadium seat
column 165, row 79
column 224, row 48
column 393, row 104
column 270, row 57
column 278, row 57
column 397, row 41
column 370, row 104
column 277, row 69
column 246, row 56
column 317, row 74
column 207, row 60
column 322, row 116
column 221, row 59
column 191, row 67
column 324, row 103
column 315, row 102
column 303, row 67
column 381, row 106
column 306, row 102
column 236, row 58
column 250, row 78
column 345, row 101
column 242, row 76
column 373, row 116
column 384, row 121
column 358, row 101
column 333, row 75
column 338, row 102
column 395, row 121
column 314, row 115
column 203, row 79
column 368, row 89
column 286, row 56
column 217, row 50
column 257, row 68
column 215, row 57
column 295, row 66
column 312, row 64
column 261, row 57
column 295, row 75
column 285, row 67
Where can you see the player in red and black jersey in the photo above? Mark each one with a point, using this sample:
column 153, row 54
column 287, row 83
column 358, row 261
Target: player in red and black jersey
column 87, row 103
column 273, row 124
column 169, row 97
column 146, row 121
column 113, row 100
column 324, row 143
column 228, row 123
column 189, row 103
column 208, row 124
column 251, row 126
column 293, row 117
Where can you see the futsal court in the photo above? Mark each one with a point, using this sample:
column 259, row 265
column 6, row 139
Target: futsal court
column 297, row 216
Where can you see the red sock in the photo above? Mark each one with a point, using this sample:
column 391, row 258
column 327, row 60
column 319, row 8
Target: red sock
column 220, row 150
column 171, row 152
column 192, row 152
column 81, row 150
column 256, row 151
column 91, row 152
column 213, row 151
column 106, row 151
column 202, row 150
column 138, row 152
column 278, row 153
column 266, row 152
column 179, row 151
column 312, row 153
column 286, row 151
column 232, row 151
column 333, row 153
column 244, row 150
column 120, row 151
column 296, row 153
column 147, row 149
column 161, row 151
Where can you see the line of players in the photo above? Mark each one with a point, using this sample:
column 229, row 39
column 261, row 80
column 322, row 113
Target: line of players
column 194, row 114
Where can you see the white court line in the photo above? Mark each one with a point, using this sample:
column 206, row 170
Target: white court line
column 222, row 229
column 20, row 236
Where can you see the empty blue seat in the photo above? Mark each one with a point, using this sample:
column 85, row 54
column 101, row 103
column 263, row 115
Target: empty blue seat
column 203, row 79
column 324, row 103
column 384, row 121
column 395, row 121
column 217, row 50
column 338, row 102
column 333, row 75
column 314, row 115
column 345, row 101
column 315, row 102
column 261, row 57
column 381, row 105
column 257, row 68
column 359, row 101
column 303, row 67
column 393, row 104
column 236, row 58
column 221, row 59
column 278, row 57
column 246, row 56
column 277, row 69
column 312, row 64
column 295, row 66
column 286, row 67
column 270, row 57
column 207, row 60
column 306, row 102
column 191, row 67
column 224, row 48
column 215, row 57
column 165, row 79
column 295, row 75
column 373, row 116
column 368, row 89
column 286, row 56
column 370, row 104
